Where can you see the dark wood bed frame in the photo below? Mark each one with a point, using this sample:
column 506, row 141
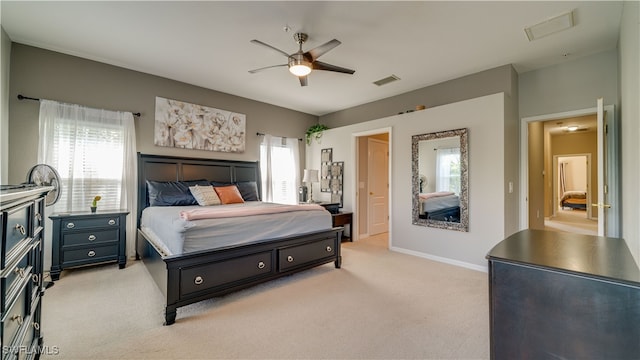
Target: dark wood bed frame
column 188, row 278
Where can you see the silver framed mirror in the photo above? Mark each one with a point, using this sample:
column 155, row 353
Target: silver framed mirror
column 440, row 189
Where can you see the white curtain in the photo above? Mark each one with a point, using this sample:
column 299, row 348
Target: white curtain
column 279, row 168
column 448, row 170
column 94, row 151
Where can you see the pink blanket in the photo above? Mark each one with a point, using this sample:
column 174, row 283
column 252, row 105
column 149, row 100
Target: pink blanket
column 428, row 196
column 221, row 211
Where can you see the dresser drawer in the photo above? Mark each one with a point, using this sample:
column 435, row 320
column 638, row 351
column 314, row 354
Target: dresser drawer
column 38, row 216
column 301, row 255
column 89, row 237
column 18, row 228
column 90, row 254
column 14, row 318
column 13, row 279
column 90, row 222
column 201, row 278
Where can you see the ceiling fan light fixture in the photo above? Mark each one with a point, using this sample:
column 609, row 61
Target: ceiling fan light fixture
column 298, row 65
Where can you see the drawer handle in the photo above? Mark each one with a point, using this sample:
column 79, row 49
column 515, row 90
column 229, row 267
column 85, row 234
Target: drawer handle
column 71, row 225
column 20, row 272
column 198, row 280
column 21, row 229
column 261, row 265
column 329, row 249
column 112, row 222
column 91, row 253
column 36, row 326
column 18, row 319
column 39, row 217
column 290, row 258
column 91, row 237
column 35, row 278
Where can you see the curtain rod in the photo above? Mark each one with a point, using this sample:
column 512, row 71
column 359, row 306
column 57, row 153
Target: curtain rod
column 261, row 134
column 22, row 97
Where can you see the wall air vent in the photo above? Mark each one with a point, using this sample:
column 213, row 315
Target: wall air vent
column 386, row 80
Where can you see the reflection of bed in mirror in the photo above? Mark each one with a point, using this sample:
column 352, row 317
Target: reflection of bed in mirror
column 574, row 200
column 441, row 206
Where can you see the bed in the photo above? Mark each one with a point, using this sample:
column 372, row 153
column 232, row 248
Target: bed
column 574, row 200
column 201, row 266
column 440, row 206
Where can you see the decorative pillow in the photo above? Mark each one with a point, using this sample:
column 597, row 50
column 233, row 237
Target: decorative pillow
column 169, row 193
column 229, row 194
column 205, row 195
column 248, row 190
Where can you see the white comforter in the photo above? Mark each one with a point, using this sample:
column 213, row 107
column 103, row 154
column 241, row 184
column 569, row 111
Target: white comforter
column 174, row 235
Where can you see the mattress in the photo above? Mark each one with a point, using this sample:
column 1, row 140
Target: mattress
column 174, row 235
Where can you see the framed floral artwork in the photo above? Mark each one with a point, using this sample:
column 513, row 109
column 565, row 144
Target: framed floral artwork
column 189, row 126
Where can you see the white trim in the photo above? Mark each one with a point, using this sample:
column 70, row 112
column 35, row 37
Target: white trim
column 355, row 179
column 441, row 259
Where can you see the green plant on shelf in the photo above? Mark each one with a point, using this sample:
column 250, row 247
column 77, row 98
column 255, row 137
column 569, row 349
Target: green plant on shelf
column 315, row 132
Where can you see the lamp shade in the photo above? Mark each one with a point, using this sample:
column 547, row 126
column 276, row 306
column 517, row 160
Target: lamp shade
column 310, row 176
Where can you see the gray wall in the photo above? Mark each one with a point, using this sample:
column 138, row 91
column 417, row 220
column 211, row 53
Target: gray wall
column 629, row 75
column 50, row 75
column 492, row 81
column 572, row 85
column 5, row 57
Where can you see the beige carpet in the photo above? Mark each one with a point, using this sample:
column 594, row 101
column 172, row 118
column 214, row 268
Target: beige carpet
column 379, row 305
column 573, row 221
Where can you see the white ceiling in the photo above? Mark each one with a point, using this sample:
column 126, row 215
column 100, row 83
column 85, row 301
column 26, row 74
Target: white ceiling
column 207, row 43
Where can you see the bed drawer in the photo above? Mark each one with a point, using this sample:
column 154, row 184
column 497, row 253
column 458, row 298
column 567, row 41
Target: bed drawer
column 90, row 255
column 296, row 256
column 200, row 278
column 89, row 237
column 13, row 278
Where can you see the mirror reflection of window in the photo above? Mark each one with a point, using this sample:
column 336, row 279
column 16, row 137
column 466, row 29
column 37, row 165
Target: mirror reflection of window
column 448, row 170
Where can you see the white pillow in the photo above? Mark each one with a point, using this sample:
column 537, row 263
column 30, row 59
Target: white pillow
column 205, row 195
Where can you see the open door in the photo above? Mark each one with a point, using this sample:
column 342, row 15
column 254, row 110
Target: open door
column 608, row 204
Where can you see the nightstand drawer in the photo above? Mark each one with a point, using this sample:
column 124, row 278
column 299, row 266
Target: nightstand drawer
column 90, row 254
column 90, row 223
column 89, row 237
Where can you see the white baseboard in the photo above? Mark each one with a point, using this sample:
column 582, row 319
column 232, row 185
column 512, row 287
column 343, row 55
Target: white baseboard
column 441, row 259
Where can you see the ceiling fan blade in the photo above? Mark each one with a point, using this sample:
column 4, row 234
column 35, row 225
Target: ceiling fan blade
column 318, row 65
column 265, row 68
column 258, row 42
column 303, row 80
column 322, row 49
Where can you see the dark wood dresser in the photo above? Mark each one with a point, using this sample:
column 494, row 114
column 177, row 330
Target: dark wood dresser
column 21, row 271
column 555, row 295
column 85, row 238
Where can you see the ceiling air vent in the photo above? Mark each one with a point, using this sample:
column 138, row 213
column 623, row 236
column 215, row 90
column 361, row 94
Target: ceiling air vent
column 550, row 26
column 386, row 80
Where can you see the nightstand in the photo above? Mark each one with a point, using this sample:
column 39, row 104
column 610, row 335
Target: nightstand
column 341, row 219
column 84, row 238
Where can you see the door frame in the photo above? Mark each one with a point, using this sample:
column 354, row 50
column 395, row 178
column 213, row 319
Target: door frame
column 355, row 233
column 524, row 154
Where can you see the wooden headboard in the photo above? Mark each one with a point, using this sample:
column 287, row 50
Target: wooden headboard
column 170, row 168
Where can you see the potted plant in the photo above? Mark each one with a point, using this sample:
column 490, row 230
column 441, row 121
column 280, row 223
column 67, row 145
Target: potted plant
column 94, row 203
column 315, row 131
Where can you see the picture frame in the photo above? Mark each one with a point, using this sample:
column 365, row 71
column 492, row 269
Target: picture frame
column 326, row 157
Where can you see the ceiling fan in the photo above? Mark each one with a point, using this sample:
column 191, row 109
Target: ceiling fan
column 301, row 63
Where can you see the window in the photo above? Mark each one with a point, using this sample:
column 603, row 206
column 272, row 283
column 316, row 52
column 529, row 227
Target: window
column 279, row 166
column 94, row 152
